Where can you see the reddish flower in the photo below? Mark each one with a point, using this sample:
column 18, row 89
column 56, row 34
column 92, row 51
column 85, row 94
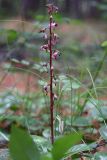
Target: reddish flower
column 56, row 54
column 53, row 25
column 46, row 88
column 52, row 8
column 45, row 47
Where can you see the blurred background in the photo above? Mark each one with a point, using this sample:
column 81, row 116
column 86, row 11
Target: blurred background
column 71, row 8
column 82, row 27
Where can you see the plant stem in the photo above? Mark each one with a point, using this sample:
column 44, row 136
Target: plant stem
column 51, row 86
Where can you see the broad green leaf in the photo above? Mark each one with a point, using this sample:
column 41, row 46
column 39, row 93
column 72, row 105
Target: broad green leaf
column 103, row 132
column 22, row 146
column 104, row 44
column 100, row 156
column 63, row 144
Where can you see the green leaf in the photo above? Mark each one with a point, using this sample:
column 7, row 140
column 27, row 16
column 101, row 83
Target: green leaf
column 104, row 44
column 63, row 144
column 103, row 132
column 22, row 146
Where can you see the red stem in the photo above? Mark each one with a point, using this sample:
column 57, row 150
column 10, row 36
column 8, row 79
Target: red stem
column 51, row 86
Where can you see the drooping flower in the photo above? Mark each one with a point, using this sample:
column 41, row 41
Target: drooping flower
column 45, row 47
column 46, row 88
column 55, row 54
column 53, row 25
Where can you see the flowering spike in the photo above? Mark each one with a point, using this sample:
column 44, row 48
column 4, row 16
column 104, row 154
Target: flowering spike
column 52, row 39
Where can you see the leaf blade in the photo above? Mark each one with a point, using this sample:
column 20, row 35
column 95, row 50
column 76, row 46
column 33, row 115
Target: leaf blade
column 21, row 145
column 62, row 144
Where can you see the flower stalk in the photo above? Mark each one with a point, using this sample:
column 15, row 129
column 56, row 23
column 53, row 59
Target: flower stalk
column 51, row 83
column 52, row 39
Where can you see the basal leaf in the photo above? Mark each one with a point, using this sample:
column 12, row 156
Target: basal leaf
column 63, row 144
column 22, row 146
